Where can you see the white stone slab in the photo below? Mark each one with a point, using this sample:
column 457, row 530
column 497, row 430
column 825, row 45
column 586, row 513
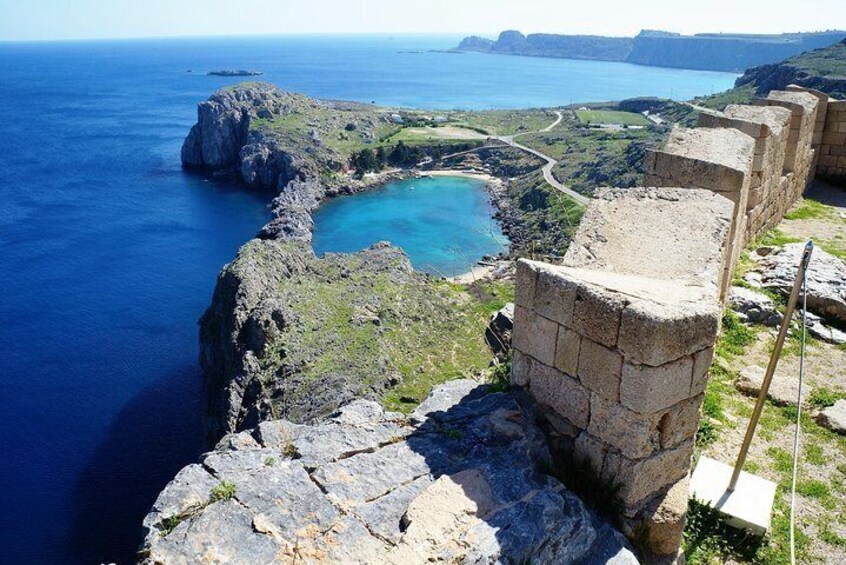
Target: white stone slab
column 748, row 507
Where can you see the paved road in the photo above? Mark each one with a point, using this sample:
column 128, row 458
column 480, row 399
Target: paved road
column 550, row 162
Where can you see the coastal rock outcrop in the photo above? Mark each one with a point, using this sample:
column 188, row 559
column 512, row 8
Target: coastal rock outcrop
column 223, row 122
column 456, row 481
column 290, row 335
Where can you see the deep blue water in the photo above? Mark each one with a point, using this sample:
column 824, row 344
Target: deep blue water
column 444, row 224
column 110, row 250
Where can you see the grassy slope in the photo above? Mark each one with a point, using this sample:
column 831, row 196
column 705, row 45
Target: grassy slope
column 358, row 315
column 611, row 117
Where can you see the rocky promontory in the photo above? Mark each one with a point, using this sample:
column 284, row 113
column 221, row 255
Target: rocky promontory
column 456, row 481
column 289, row 335
column 708, row 51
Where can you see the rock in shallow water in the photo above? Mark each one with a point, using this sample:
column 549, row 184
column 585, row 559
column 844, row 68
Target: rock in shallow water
column 460, row 484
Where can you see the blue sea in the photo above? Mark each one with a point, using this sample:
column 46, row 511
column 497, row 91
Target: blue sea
column 109, row 251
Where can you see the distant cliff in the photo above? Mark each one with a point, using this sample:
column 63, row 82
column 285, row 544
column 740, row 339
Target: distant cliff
column 707, row 51
column 822, row 69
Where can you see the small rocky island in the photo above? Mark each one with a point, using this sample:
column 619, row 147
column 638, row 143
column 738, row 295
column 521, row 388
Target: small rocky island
column 235, row 73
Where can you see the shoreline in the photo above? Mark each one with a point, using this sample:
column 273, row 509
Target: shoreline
column 459, row 173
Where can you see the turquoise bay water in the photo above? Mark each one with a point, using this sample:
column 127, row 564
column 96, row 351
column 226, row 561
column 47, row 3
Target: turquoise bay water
column 109, row 250
column 444, row 224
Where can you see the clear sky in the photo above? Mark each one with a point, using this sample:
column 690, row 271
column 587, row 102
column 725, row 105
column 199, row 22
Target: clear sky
column 80, row 19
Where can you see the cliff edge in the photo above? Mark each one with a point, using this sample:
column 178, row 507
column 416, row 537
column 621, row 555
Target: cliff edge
column 455, row 481
column 289, row 335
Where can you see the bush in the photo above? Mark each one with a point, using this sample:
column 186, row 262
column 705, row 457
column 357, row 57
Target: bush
column 224, row 491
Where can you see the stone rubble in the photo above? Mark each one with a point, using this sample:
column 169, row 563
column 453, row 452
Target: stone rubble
column 753, row 307
column 826, row 279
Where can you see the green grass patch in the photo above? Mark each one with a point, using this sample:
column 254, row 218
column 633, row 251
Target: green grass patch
column 775, row 238
column 611, row 117
column 735, row 337
column 822, row 397
column 709, row 541
column 811, row 210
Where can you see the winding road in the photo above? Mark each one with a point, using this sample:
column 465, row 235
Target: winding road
column 550, row 162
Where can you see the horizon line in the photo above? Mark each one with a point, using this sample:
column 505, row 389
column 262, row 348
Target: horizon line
column 377, row 33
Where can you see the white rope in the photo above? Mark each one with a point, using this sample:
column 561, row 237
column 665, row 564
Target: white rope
column 798, row 426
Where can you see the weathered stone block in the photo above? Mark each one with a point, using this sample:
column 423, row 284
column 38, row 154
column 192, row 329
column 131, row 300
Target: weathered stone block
column 650, row 389
column 535, row 335
column 654, row 334
column 561, row 393
column 527, row 276
column 589, row 451
column 596, row 314
column 567, row 351
column 681, row 422
column 701, row 365
column 521, row 368
column 554, row 296
column 665, row 519
column 600, row 369
column 635, row 435
column 639, row 480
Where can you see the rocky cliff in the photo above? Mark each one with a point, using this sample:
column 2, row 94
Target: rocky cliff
column 822, row 69
column 292, row 336
column 458, row 481
column 718, row 52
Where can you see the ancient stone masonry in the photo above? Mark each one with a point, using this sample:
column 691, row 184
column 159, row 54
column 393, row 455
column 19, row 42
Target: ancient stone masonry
column 615, row 343
column 832, row 159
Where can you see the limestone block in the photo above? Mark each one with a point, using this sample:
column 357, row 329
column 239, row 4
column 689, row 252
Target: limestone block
column 535, row 335
column 555, row 296
column 775, row 118
column 589, row 451
column 833, row 138
column 681, row 422
column 596, row 314
column 521, row 368
column 650, row 389
column 600, row 369
column 654, row 334
column 563, row 394
column 665, row 519
column 526, row 282
column 627, row 230
column 722, row 120
column 567, row 351
column 639, row 480
column 701, row 365
column 635, row 435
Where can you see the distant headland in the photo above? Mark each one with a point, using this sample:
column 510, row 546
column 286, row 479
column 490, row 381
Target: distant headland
column 704, row 51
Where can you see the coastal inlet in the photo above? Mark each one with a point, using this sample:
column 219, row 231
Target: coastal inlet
column 444, row 223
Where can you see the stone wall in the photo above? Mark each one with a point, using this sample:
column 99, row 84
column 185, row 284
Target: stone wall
column 832, row 160
column 616, row 342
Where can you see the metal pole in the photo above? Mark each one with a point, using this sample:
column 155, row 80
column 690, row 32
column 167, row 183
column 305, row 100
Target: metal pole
column 768, row 376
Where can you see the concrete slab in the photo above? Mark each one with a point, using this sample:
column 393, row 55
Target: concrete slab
column 748, row 507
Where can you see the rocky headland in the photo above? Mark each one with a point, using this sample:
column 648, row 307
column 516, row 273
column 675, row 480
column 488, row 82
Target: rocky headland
column 707, row 51
column 289, row 335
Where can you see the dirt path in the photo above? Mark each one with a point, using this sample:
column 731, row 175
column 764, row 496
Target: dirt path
column 550, row 162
